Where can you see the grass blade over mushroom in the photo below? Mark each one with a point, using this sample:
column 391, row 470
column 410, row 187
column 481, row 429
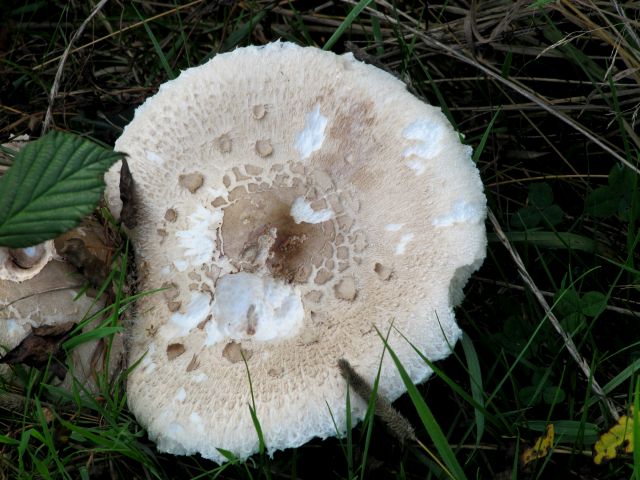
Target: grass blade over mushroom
column 53, row 183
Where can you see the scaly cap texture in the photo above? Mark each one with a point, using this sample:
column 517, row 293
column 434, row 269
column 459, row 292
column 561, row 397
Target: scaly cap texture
column 290, row 201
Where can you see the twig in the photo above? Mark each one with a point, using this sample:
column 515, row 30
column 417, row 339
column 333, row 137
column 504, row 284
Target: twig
column 56, row 81
column 571, row 346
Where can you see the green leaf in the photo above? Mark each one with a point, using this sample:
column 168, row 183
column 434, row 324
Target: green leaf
column 568, row 302
column 475, row 377
column 572, row 322
column 346, row 23
column 540, row 195
column 593, row 304
column 553, row 215
column 53, row 183
column 428, row 420
column 553, row 395
column 526, row 217
column 568, row 431
column 603, row 202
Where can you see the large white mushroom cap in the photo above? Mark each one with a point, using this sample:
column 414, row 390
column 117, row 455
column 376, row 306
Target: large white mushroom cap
column 290, row 201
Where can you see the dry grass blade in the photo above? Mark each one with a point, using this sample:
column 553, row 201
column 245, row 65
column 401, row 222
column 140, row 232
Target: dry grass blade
column 571, row 346
column 518, row 87
column 56, row 81
column 118, row 32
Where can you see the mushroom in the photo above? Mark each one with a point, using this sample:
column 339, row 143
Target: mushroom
column 20, row 264
column 292, row 201
column 39, row 289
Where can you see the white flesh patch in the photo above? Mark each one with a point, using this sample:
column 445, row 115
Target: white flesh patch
column 428, row 134
column 393, row 227
column 461, row 212
column 311, row 138
column 199, row 240
column 248, row 306
column 402, row 244
column 301, row 211
column 181, row 323
column 181, row 394
column 154, row 157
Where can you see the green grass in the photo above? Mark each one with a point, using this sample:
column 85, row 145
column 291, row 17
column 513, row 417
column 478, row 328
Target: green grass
column 560, row 169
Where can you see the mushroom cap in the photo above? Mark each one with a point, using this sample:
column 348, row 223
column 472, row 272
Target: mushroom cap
column 52, row 298
column 20, row 264
column 291, row 201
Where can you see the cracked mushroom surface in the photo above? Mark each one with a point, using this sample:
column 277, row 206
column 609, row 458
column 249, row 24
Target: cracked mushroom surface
column 290, row 201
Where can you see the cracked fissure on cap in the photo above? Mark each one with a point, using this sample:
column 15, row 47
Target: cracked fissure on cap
column 292, row 201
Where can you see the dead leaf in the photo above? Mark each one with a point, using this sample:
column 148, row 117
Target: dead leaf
column 91, row 267
column 618, row 439
column 128, row 214
column 36, row 348
column 540, row 448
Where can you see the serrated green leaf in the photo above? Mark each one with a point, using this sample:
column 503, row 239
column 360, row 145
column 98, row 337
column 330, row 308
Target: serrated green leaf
column 540, row 195
column 53, row 183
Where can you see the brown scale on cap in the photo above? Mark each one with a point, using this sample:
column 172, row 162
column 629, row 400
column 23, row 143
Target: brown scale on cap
column 264, row 148
column 259, row 111
column 223, row 142
column 191, row 181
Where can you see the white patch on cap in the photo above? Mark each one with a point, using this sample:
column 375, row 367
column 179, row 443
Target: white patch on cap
column 181, row 265
column 15, row 329
column 181, row 394
column 393, row 227
column 461, row 212
column 196, row 420
column 301, row 211
column 154, row 157
column 248, row 306
column 428, row 134
column 199, row 240
column 416, row 165
column 166, row 270
column 200, row 377
column 402, row 244
column 181, row 323
column 311, row 138
column 174, row 429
